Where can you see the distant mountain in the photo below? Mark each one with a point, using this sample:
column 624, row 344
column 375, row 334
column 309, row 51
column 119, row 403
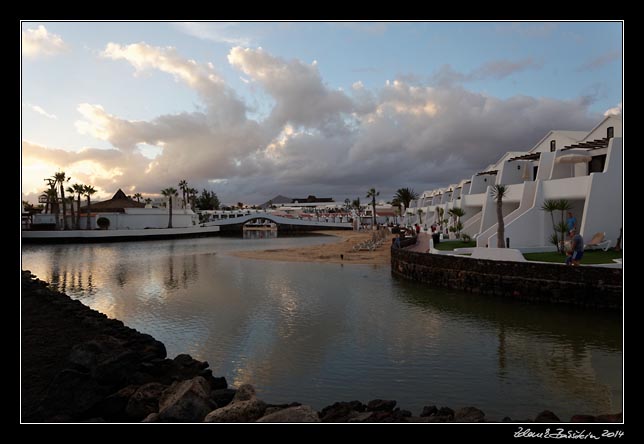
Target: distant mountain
column 279, row 199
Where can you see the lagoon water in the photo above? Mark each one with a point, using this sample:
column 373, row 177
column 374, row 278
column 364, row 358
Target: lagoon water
column 320, row 333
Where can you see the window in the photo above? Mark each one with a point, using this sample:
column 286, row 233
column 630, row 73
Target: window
column 610, row 132
column 553, row 145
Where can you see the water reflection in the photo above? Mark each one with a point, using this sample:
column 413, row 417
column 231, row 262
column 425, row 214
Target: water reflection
column 319, row 333
column 259, row 234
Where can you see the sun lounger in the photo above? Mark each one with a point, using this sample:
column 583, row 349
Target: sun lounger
column 598, row 241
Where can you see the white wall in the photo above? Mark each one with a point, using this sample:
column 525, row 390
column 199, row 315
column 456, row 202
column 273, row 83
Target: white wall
column 568, row 188
column 603, row 210
column 599, row 132
column 510, row 173
column 480, row 183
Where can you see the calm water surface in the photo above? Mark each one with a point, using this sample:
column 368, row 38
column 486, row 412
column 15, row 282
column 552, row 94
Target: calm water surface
column 320, row 333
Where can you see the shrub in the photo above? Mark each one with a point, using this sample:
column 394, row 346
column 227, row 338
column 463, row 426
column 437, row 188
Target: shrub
column 103, row 223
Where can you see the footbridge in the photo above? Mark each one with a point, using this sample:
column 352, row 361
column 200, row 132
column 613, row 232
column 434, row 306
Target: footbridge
column 283, row 223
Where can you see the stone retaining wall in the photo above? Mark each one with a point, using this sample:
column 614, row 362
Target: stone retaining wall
column 595, row 287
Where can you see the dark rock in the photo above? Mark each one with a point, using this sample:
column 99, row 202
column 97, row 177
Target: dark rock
column 380, row 405
column 547, row 416
column 245, row 407
column 446, row 412
column 469, row 414
column 302, row 413
column 341, row 411
column 222, row 397
column 429, row 410
column 582, row 418
column 245, row 392
column 144, row 401
column 113, row 407
column 152, row 417
column 185, row 401
column 73, row 393
column 506, row 419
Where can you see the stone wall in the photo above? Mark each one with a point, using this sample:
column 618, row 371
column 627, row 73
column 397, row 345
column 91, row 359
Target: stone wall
column 595, row 287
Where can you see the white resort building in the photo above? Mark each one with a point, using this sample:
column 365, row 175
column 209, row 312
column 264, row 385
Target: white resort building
column 583, row 168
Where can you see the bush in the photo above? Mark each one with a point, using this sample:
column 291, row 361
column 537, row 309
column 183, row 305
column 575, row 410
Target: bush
column 103, row 223
column 466, row 237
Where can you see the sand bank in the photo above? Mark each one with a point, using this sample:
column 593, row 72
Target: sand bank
column 340, row 243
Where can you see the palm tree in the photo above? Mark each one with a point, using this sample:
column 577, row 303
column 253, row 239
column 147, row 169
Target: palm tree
column 405, row 196
column 61, row 179
column 192, row 193
column 70, row 199
column 52, row 195
column 499, row 192
column 458, row 226
column 420, row 216
column 169, row 193
column 240, row 205
column 372, row 193
column 148, row 201
column 79, row 190
column 138, row 197
column 563, row 205
column 550, row 206
column 183, row 186
column 88, row 190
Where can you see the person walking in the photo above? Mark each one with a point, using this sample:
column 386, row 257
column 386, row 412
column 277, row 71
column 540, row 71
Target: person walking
column 577, row 249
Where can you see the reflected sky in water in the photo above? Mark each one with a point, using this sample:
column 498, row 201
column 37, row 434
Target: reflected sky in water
column 320, row 333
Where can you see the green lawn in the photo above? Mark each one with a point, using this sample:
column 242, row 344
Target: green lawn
column 590, row 257
column 451, row 245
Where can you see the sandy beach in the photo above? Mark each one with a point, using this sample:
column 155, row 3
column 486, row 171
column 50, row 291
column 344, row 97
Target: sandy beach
column 340, row 243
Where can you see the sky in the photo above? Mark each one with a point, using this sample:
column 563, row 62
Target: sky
column 250, row 110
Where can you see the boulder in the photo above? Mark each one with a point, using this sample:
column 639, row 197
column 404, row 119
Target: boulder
column 428, row 410
column 469, row 414
column 185, row 401
column 245, row 407
column 341, row 411
column 144, row 400
column 380, row 405
column 222, row 397
column 303, row 413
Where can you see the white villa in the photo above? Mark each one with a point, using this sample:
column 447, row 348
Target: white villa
column 583, row 168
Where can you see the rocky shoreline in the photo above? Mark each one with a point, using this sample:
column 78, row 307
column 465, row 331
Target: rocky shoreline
column 79, row 366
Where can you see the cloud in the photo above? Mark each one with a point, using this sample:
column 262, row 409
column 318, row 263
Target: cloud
column 40, row 111
column 615, row 111
column 500, row 69
column 301, row 98
column 39, row 42
column 220, row 32
column 601, row 60
column 315, row 140
column 494, row 69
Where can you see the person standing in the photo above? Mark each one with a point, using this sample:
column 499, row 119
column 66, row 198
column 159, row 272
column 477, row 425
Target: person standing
column 577, row 247
column 571, row 222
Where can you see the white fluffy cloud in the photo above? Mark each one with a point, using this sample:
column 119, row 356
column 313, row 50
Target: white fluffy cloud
column 615, row 111
column 315, row 140
column 37, row 42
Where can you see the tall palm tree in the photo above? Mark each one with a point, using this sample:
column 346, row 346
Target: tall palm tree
column 420, row 216
column 563, row 205
column 183, row 186
column 52, row 195
column 148, row 200
column 79, row 190
column 169, row 193
column 70, row 199
column 192, row 193
column 88, row 190
column 61, row 179
column 138, row 197
column 550, row 206
column 372, row 193
column 499, row 192
column 457, row 213
column 347, row 204
column 405, row 196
